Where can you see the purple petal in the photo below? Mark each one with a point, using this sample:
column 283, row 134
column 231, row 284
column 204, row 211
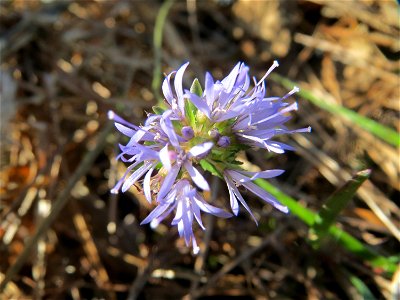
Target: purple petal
column 166, row 88
column 231, row 185
column 198, row 150
column 168, row 128
column 197, row 178
column 230, row 80
column 178, row 213
column 146, row 185
column 178, row 86
column 196, row 213
column 200, row 103
column 155, row 213
column 232, row 198
column 209, row 89
column 261, row 174
column 113, row 116
column 135, row 176
column 168, row 182
column 164, row 158
column 278, row 147
column 125, row 130
column 116, row 188
column 265, row 196
column 204, row 206
column 291, row 107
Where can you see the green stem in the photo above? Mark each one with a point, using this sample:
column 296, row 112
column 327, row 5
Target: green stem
column 157, row 42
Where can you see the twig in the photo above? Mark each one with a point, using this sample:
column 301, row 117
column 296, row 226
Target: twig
column 58, row 205
column 231, row 265
column 141, row 279
column 210, row 221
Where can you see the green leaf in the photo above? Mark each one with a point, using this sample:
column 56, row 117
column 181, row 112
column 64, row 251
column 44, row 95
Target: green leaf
column 190, row 113
column 385, row 133
column 207, row 166
column 196, row 88
column 336, row 203
column 389, row 264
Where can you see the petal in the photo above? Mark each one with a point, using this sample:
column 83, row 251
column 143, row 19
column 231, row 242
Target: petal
column 178, row 213
column 196, row 212
column 168, row 128
column 200, row 149
column 204, row 206
column 178, row 86
column 187, row 224
column 197, row 178
column 135, row 176
column 146, row 185
column 229, row 81
column 125, row 130
column 164, row 158
column 237, row 194
column 232, row 198
column 116, row 188
column 168, row 182
column 166, row 88
column 265, row 196
column 291, row 107
column 278, row 147
column 113, row 116
column 209, row 89
column 155, row 213
column 262, row 174
column 200, row 103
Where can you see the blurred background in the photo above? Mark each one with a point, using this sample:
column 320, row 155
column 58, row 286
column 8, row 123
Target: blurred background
column 64, row 64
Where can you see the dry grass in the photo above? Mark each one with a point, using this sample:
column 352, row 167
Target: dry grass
column 65, row 64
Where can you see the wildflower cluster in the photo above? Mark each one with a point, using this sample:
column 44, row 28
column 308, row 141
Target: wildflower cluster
column 203, row 131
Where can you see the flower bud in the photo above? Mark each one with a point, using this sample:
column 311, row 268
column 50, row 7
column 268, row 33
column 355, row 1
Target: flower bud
column 214, row 133
column 187, row 132
column 224, row 141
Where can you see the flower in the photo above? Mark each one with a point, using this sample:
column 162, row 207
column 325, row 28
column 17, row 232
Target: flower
column 187, row 203
column 203, row 130
column 235, row 178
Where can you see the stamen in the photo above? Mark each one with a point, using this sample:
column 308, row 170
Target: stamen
column 293, row 91
column 274, row 65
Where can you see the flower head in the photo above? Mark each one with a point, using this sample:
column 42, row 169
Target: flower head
column 203, row 131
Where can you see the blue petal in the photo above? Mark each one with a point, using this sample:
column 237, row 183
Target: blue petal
column 197, row 178
column 178, row 86
column 200, row 149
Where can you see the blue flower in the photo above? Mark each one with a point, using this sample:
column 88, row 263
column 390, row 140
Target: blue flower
column 203, row 131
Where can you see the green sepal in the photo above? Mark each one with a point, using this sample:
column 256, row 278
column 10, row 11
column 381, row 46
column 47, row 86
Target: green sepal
column 158, row 110
column 207, row 166
column 196, row 88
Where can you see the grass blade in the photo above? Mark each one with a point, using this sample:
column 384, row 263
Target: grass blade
column 361, row 287
column 341, row 237
column 157, row 43
column 336, row 203
column 385, row 133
